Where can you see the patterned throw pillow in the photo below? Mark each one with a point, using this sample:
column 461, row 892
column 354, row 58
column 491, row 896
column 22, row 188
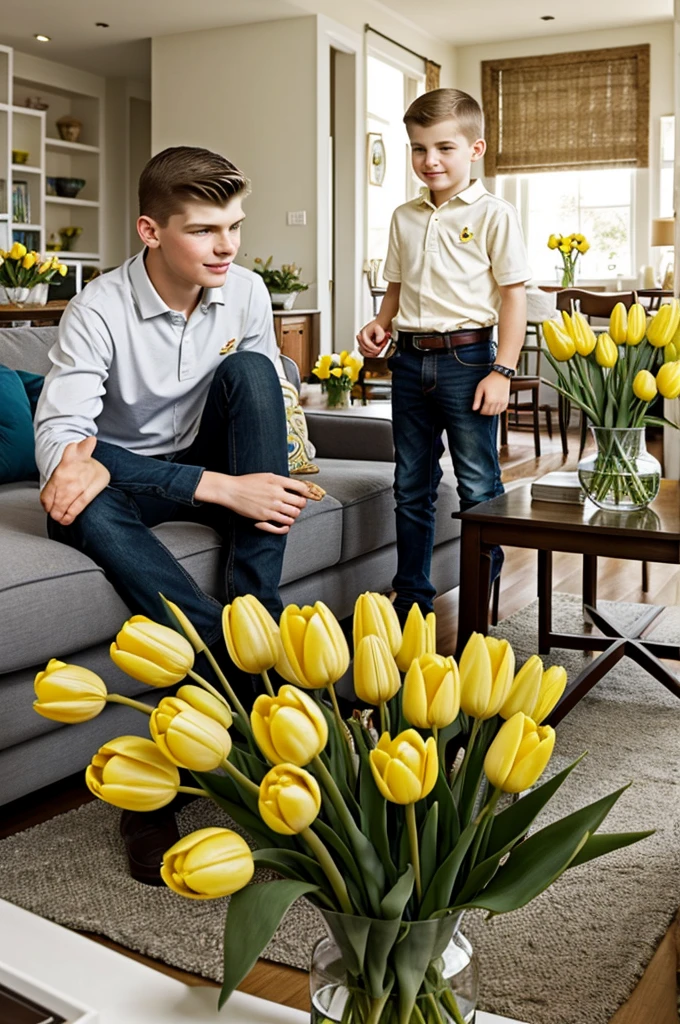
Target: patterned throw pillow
column 300, row 448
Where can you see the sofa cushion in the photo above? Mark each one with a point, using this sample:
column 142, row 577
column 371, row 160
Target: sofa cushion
column 17, row 458
column 27, row 348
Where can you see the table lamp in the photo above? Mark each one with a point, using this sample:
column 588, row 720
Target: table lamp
column 663, row 234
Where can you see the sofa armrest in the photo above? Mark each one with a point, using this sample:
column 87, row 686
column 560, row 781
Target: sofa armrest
column 346, row 435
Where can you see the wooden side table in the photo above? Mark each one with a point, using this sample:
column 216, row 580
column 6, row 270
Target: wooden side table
column 38, row 314
column 297, row 335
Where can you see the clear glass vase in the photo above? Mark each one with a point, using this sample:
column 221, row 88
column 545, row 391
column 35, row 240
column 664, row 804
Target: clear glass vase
column 35, row 296
column 621, row 474
column 337, row 397
column 448, row 994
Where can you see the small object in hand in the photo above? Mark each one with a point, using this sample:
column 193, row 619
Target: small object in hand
column 316, row 493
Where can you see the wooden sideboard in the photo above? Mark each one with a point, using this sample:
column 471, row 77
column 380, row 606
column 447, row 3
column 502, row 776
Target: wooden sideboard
column 297, row 335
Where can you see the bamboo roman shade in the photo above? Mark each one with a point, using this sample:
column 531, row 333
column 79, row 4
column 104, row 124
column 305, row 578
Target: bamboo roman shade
column 567, row 110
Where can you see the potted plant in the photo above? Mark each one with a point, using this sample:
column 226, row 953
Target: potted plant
column 570, row 247
column 282, row 285
column 25, row 275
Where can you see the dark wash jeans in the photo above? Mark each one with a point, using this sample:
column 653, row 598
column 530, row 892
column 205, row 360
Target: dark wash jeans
column 242, row 430
column 432, row 392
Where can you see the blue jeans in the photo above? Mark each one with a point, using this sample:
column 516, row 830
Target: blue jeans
column 432, row 392
column 242, row 430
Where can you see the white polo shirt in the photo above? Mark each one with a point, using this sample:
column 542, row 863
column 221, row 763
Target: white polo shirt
column 136, row 373
column 450, row 260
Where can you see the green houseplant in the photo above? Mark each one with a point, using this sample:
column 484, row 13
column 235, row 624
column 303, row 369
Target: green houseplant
column 282, row 285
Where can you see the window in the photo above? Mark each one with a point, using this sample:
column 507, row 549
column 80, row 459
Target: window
column 666, row 204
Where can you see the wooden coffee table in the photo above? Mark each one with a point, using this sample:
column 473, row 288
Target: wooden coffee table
column 651, row 535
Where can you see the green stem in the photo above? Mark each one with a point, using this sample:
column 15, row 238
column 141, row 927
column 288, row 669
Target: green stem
column 435, row 1009
column 329, row 869
column 413, row 845
column 117, row 698
column 336, row 797
column 377, row 1007
column 435, row 734
column 460, row 775
column 452, row 1006
column 227, row 687
column 481, row 822
column 384, row 725
column 208, row 686
column 267, row 682
column 341, row 726
column 193, row 789
column 242, row 779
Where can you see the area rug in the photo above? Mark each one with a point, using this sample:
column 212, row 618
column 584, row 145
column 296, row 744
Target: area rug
column 570, row 957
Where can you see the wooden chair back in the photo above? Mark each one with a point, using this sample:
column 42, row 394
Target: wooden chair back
column 597, row 304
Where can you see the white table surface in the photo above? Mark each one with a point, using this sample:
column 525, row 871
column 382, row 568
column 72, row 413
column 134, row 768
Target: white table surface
column 122, row 990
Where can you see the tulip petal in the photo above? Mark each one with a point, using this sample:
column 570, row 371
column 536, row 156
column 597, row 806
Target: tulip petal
column 414, row 698
column 527, row 771
column 475, row 676
column 500, row 756
column 145, row 671
column 403, row 785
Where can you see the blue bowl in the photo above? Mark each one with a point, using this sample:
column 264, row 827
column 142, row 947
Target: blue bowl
column 68, row 188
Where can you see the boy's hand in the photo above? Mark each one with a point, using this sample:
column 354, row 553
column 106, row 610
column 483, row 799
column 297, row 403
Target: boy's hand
column 492, row 395
column 273, row 501
column 75, row 482
column 372, row 339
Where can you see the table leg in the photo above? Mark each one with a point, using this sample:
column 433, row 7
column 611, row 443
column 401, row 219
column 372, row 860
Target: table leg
column 473, row 594
column 590, row 580
column 544, row 601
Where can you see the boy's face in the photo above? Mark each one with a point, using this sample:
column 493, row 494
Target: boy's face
column 198, row 245
column 442, row 156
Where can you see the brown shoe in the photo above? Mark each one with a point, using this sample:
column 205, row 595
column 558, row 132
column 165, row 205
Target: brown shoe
column 147, row 837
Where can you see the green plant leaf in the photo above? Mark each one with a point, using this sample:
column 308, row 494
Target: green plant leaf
column 606, row 842
column 428, row 846
column 659, row 421
column 438, row 895
column 449, row 823
column 254, row 915
column 224, row 791
column 292, row 864
column 374, row 805
column 393, row 904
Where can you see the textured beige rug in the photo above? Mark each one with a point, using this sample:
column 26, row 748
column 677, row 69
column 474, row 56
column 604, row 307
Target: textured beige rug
column 570, row 957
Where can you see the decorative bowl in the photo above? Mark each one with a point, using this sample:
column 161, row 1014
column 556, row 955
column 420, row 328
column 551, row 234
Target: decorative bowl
column 68, row 188
column 69, row 128
column 51, row 186
column 20, row 156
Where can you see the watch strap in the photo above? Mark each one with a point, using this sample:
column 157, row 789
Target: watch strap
column 505, row 371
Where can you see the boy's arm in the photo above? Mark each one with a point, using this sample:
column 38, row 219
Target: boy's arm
column 374, row 335
column 492, row 394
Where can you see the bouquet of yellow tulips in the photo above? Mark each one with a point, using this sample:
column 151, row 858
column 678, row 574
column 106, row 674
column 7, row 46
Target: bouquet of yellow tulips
column 392, row 834
column 20, row 268
column 613, row 377
column 338, row 374
column 570, row 247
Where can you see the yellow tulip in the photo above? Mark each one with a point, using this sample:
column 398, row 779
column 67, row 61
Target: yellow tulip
column 353, row 367
column 322, row 370
column 553, row 241
column 670, row 352
column 376, row 676
column 560, row 345
column 585, row 339
column 18, row 251
column 62, row 270
column 552, row 687
column 568, row 325
column 405, row 768
column 314, row 646
column 199, row 699
column 431, row 696
column 525, row 689
column 487, row 669
column 185, row 625
column 668, row 380
column 68, row 693
column 519, row 754
column 582, row 246
column 207, row 864
column 337, row 371
column 187, row 737
column 132, row 773
column 151, row 653
column 565, row 246
column 644, row 386
column 606, row 352
column 664, row 324
column 28, row 261
column 251, row 635
column 618, row 324
column 637, row 324
column 289, row 728
column 419, row 637
column 374, row 614
column 290, row 799
column 44, row 267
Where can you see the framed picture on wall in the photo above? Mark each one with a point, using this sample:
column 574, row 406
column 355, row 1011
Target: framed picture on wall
column 376, row 159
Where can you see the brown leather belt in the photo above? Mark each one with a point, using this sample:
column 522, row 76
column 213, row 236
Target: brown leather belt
column 435, row 342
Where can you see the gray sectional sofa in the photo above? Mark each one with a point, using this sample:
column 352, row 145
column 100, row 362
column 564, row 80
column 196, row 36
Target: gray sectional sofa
column 55, row 602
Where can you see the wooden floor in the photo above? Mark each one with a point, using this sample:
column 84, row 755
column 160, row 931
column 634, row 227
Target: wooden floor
column 655, row 999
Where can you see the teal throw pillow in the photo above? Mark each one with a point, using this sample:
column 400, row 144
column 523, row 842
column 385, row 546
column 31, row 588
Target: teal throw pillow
column 19, row 392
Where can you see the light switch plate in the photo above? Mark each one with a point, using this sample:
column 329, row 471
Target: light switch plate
column 296, row 218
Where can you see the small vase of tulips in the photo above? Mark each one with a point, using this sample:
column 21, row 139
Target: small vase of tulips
column 338, row 374
column 23, row 273
column 570, row 247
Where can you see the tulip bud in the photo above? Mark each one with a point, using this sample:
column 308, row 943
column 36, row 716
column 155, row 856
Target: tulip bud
column 376, row 676
column 28, row 261
column 289, row 728
column 62, row 270
column 637, row 324
column 47, row 265
column 251, row 635
column 18, row 251
column 207, row 864
column 68, row 693
column 290, row 799
column 668, row 380
column 618, row 324
column 585, row 339
column 314, row 647
column 431, row 696
column 606, row 352
column 132, row 773
column 560, row 345
column 405, row 768
column 487, row 668
column 187, row 737
column 644, row 386
column 552, row 687
column 525, row 688
column 519, row 754
column 199, row 699
column 375, row 614
column 419, row 637
column 663, row 324
column 670, row 352
column 151, row 653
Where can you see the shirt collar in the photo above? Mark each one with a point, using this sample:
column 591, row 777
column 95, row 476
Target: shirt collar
column 148, row 301
column 474, row 191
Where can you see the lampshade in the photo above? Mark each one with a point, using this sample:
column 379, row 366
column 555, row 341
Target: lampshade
column 663, row 231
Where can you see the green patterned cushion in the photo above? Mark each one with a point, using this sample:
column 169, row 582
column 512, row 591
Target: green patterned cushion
column 300, row 448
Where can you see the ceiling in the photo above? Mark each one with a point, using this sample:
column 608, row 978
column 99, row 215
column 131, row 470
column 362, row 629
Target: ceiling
column 123, row 48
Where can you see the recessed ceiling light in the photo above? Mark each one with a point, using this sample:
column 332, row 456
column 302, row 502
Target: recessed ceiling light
column 101, row 24
column 41, row 38
column 547, row 17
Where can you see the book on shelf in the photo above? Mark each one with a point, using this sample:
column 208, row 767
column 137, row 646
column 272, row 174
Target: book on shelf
column 558, row 486
column 21, row 203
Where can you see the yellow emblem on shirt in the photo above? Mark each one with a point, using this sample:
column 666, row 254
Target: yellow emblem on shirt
column 229, row 347
column 466, row 235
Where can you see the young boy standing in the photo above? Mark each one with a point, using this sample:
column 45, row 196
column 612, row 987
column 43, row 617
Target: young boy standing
column 456, row 267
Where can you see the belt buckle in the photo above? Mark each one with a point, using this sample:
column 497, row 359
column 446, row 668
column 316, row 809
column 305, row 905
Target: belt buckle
column 423, row 348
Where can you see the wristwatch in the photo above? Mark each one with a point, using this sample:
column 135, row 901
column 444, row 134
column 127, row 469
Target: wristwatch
column 505, row 371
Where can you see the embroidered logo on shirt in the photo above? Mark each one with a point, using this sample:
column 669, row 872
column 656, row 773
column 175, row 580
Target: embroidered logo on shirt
column 466, row 235
column 229, row 347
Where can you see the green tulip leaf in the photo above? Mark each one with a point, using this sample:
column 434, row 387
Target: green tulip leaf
column 606, row 842
column 659, row 421
column 438, row 895
column 394, row 903
column 347, row 862
column 292, row 864
column 422, row 942
column 374, row 805
column 449, row 822
column 226, row 794
column 428, row 846
column 254, row 915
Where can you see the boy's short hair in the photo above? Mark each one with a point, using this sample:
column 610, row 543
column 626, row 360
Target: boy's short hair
column 184, row 174
column 444, row 104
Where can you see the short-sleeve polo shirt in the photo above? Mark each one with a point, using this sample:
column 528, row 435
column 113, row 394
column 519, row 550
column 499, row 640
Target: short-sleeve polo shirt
column 451, row 260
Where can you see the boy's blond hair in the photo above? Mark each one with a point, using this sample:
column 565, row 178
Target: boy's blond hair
column 184, row 174
column 448, row 104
